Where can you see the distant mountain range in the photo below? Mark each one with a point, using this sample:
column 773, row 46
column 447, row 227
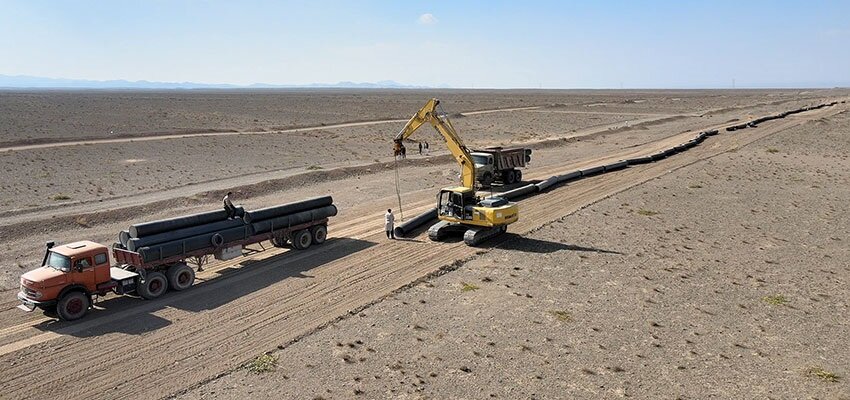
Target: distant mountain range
column 35, row 82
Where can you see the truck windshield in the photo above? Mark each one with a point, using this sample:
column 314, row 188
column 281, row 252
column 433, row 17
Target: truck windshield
column 58, row 261
column 480, row 160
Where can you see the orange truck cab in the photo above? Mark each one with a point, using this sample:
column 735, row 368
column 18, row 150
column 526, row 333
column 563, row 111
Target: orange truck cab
column 70, row 276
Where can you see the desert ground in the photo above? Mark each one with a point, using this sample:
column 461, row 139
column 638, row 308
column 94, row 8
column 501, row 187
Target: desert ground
column 719, row 272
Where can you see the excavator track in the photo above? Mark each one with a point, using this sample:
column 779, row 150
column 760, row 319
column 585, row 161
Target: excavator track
column 442, row 229
column 477, row 235
column 472, row 235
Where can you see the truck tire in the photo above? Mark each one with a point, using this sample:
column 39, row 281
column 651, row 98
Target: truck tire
column 517, row 175
column 278, row 241
column 73, row 305
column 508, row 177
column 302, row 239
column 486, row 180
column 319, row 233
column 180, row 277
column 154, row 285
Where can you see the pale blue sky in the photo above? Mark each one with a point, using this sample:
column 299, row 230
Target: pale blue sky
column 549, row 44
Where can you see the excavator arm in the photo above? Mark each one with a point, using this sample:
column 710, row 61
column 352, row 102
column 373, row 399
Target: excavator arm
column 441, row 123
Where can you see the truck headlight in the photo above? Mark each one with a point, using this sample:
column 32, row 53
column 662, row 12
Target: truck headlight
column 36, row 294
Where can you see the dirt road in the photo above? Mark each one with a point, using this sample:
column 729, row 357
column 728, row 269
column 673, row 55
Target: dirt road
column 163, row 347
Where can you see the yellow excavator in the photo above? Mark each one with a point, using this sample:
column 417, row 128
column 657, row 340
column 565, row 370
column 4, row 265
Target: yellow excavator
column 458, row 208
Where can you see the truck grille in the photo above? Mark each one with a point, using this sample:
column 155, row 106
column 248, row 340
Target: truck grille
column 27, row 291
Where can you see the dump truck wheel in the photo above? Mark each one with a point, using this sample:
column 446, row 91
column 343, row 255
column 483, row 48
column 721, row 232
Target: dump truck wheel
column 154, row 285
column 518, row 176
column 508, row 178
column 319, row 233
column 487, row 180
column 180, row 277
column 302, row 239
column 73, row 305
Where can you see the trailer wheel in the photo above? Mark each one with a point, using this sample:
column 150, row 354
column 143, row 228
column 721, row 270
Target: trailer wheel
column 319, row 233
column 302, row 239
column 73, row 305
column 154, row 285
column 180, row 277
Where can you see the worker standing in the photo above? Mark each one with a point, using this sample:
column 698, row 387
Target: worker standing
column 389, row 220
column 420, row 148
column 228, row 206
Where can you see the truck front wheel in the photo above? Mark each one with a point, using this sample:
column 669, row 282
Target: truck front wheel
column 73, row 305
column 180, row 277
column 154, row 285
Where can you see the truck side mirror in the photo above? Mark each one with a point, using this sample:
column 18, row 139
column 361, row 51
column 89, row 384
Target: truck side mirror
column 50, row 244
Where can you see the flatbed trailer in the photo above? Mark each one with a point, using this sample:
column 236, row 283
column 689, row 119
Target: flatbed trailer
column 85, row 268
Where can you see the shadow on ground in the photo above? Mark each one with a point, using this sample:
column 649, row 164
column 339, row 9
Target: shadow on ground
column 512, row 241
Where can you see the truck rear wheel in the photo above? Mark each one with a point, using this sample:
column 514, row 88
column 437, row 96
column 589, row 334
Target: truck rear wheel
column 73, row 305
column 154, row 285
column 302, row 239
column 180, row 277
column 517, row 175
column 319, row 233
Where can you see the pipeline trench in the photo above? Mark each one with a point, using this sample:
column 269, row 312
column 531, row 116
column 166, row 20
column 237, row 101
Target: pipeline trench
column 164, row 347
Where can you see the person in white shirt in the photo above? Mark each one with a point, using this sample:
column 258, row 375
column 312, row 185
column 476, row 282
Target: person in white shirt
column 389, row 219
column 228, row 206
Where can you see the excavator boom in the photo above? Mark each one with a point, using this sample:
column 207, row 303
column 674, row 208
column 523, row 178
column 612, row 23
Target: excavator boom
column 441, row 123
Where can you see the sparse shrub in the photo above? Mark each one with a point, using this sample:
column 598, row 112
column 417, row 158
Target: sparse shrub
column 266, row 362
column 772, row 150
column 561, row 315
column 314, row 167
column 647, row 213
column 776, row 300
column 822, row 374
column 695, row 186
column 60, row 197
column 468, row 287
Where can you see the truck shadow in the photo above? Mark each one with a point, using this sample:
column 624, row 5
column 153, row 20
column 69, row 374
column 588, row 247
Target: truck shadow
column 135, row 316
column 512, row 241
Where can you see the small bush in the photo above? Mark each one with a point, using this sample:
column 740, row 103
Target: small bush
column 60, row 196
column 822, row 374
column 647, row 213
column 267, row 362
column 561, row 315
column 314, row 167
column 468, row 287
column 772, row 150
column 777, row 300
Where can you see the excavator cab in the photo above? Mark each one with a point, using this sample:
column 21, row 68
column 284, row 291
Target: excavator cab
column 456, row 203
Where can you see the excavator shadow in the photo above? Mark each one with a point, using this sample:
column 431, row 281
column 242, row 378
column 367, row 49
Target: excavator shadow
column 134, row 316
column 512, row 241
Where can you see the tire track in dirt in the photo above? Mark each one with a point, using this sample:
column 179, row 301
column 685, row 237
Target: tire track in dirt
column 279, row 299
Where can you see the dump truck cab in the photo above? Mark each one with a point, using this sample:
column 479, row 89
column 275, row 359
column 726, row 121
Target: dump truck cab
column 69, row 275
